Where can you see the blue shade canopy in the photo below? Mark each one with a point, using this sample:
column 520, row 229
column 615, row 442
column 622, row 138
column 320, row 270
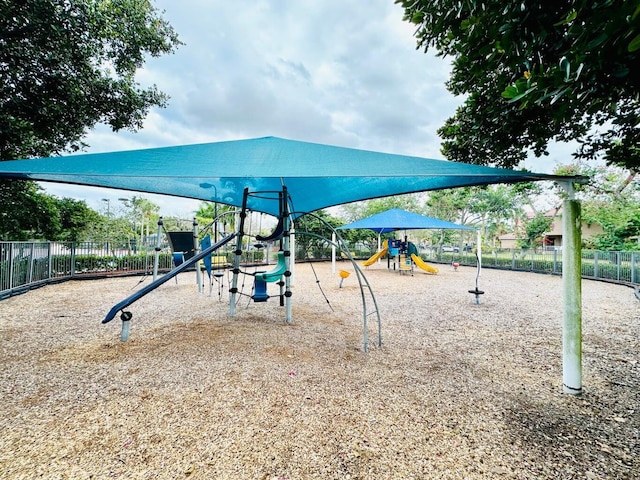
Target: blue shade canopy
column 316, row 176
column 397, row 219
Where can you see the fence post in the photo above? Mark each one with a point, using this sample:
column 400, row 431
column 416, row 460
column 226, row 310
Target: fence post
column 50, row 261
column 555, row 261
column 30, row 271
column 595, row 265
column 634, row 279
column 618, row 262
column 72, row 271
column 11, row 249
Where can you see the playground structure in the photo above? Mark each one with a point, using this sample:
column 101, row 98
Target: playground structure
column 344, row 274
column 420, row 263
column 476, row 291
column 335, row 175
column 378, row 255
column 280, row 274
column 402, row 253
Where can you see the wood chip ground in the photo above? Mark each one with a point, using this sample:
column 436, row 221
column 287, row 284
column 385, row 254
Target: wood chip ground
column 457, row 391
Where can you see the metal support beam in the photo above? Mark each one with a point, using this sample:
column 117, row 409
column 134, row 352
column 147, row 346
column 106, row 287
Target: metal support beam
column 233, row 290
column 196, row 250
column 156, row 255
column 572, row 293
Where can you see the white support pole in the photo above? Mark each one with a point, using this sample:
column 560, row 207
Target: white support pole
column 196, row 250
column 333, row 252
column 289, row 261
column 572, row 294
column 292, row 249
column 479, row 251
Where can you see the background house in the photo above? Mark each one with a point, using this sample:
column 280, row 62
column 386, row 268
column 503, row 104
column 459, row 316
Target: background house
column 552, row 238
column 508, row 241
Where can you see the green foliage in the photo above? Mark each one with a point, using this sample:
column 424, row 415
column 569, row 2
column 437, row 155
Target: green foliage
column 536, row 72
column 535, row 229
column 495, row 205
column 26, row 212
column 358, row 210
column 492, row 208
column 316, row 224
column 142, row 219
column 620, row 223
column 75, row 218
column 65, row 66
column 100, row 263
column 207, row 212
column 611, row 200
column 451, row 204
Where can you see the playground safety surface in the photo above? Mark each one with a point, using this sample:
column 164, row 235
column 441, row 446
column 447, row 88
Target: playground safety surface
column 457, row 390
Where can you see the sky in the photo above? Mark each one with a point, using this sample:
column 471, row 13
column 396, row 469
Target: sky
column 340, row 72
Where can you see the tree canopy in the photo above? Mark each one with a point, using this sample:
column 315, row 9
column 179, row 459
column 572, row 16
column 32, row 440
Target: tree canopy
column 27, row 213
column 612, row 201
column 535, row 72
column 66, row 66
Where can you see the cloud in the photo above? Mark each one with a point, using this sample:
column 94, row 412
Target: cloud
column 334, row 71
column 341, row 72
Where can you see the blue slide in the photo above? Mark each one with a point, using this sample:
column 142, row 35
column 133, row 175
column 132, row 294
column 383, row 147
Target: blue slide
column 152, row 286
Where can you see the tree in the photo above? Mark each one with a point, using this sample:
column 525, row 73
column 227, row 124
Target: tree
column 366, row 208
column 75, row 217
column 316, row 225
column 534, row 230
column 493, row 205
column 533, row 72
column 611, row 200
column 208, row 211
column 358, row 210
column 26, row 212
column 65, row 66
column 453, row 205
column 143, row 215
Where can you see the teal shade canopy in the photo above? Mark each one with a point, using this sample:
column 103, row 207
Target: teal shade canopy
column 398, row 219
column 316, row 176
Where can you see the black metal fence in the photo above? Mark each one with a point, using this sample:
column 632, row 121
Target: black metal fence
column 618, row 267
column 27, row 265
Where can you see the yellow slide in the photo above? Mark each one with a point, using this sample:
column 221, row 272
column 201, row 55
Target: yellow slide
column 423, row 265
column 375, row 257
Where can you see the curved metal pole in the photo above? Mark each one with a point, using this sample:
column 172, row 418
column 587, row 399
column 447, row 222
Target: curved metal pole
column 362, row 280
